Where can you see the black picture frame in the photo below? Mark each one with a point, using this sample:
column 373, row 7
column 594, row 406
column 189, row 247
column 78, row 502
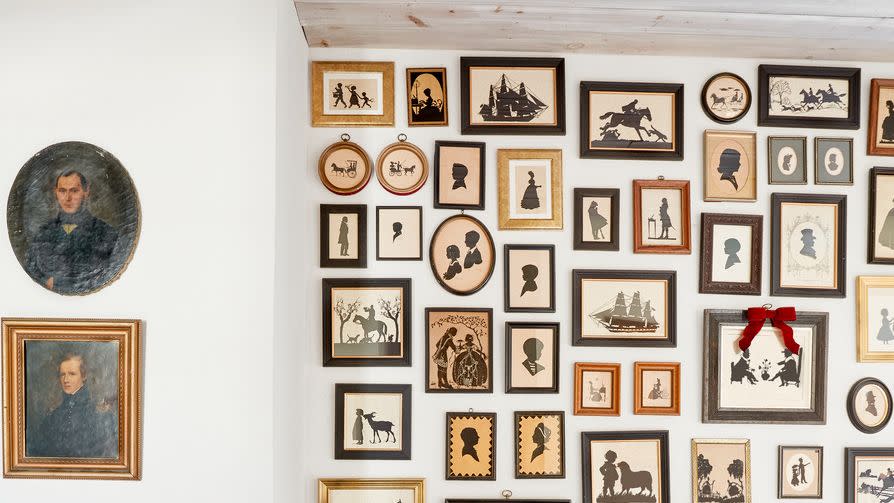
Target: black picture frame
column 467, row 63
column 486, row 235
column 579, row 275
column 850, row 466
column 490, row 349
column 554, row 327
column 711, row 410
column 613, row 243
column 482, row 171
column 874, row 175
column 325, row 211
column 777, row 200
column 781, row 471
column 587, row 437
column 405, row 284
column 852, row 412
column 405, row 390
column 852, row 75
column 706, row 284
column 746, row 91
column 551, row 308
column 379, row 209
column 492, row 417
column 519, row 414
column 586, row 152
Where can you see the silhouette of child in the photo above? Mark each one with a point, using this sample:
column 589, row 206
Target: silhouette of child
column 398, row 228
column 459, row 173
column 366, row 99
column 609, row 473
column 533, row 349
column 731, row 247
column 473, row 256
column 884, row 332
column 529, row 274
column 454, row 268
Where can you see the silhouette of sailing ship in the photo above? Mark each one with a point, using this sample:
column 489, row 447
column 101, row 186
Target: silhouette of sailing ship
column 626, row 317
column 510, row 103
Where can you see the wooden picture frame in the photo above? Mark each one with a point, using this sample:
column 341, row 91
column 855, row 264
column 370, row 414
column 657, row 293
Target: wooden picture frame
column 751, row 266
column 881, row 234
column 662, row 188
column 880, row 139
column 378, row 79
column 344, row 167
column 388, row 249
column 733, row 101
column 391, row 349
column 326, row 486
column 583, row 334
column 711, row 456
column 596, row 222
column 864, row 396
column 335, row 243
column 540, row 360
column 444, row 254
column 873, row 337
column 643, row 373
column 440, row 365
column 471, row 434
column 599, row 102
column 825, row 150
column 616, row 453
column 824, row 249
column 394, row 175
column 586, row 393
column 427, row 109
column 519, row 209
column 534, row 436
column 765, row 401
column 528, row 278
column 97, row 357
column 503, row 500
column 500, row 105
column 812, row 109
column 473, row 165
column 808, row 474
column 781, row 151
column 347, row 396
column 860, row 460
column 730, row 166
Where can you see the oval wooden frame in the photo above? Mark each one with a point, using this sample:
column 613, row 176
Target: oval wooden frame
column 401, row 145
column 321, row 168
column 852, row 414
column 431, row 252
column 704, row 98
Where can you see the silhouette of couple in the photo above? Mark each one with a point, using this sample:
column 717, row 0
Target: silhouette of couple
column 473, row 256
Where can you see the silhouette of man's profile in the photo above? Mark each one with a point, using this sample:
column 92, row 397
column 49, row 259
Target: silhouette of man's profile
column 459, row 173
column 529, row 274
column 809, row 240
column 469, row 436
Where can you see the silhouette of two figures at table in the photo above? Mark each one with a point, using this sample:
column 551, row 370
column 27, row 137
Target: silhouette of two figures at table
column 631, row 117
column 664, row 220
column 378, row 428
column 530, row 200
column 799, row 472
column 359, row 100
column 597, row 221
column 787, row 370
column 613, row 472
column 472, row 258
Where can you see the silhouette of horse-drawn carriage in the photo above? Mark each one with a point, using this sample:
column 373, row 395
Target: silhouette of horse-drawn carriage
column 396, row 169
column 349, row 170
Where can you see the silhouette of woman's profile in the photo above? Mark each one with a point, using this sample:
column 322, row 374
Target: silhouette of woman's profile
column 529, row 274
column 729, row 166
column 540, row 437
column 454, row 268
column 398, row 228
column 459, row 173
column 469, row 436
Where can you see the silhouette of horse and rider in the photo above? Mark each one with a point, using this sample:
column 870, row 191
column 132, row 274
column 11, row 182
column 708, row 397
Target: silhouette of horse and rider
column 632, row 117
column 371, row 325
column 811, row 99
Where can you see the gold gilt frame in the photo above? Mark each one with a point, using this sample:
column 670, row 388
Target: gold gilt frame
column 865, row 320
column 127, row 464
column 555, row 158
column 327, row 485
column 318, row 93
column 746, row 479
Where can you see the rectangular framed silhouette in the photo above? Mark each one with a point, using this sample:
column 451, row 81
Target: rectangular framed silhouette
column 532, row 357
column 881, row 118
column 787, row 160
column 343, row 235
column 875, row 307
column 540, row 445
column 661, row 221
column 366, row 322
column 459, row 175
column 529, row 278
column 800, row 472
column 373, row 421
column 471, row 446
column 867, row 477
column 718, row 461
column 833, row 161
column 597, row 389
column 731, row 254
column 617, row 463
column 730, row 163
column 353, row 490
column 399, row 232
column 808, row 97
column 656, row 388
column 460, row 343
column 881, row 216
column 72, row 398
column 530, row 188
column 427, row 97
column 596, row 216
column 352, row 93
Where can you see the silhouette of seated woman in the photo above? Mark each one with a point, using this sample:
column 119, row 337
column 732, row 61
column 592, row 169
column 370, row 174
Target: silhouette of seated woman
column 888, row 124
column 731, row 247
column 454, row 268
column 529, row 274
column 729, row 166
column 469, row 436
column 656, row 390
column 809, row 240
column 398, row 229
column 886, row 235
column 459, row 173
column 533, row 349
column 597, row 221
column 540, row 437
column 884, row 332
column 789, row 371
column 742, row 369
column 530, row 200
column 473, row 256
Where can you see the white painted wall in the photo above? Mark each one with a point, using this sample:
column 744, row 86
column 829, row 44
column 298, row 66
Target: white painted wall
column 429, row 409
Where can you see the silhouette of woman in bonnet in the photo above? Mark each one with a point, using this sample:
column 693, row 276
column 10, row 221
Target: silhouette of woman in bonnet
column 540, row 437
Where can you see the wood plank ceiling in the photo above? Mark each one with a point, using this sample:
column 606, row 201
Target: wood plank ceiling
column 790, row 29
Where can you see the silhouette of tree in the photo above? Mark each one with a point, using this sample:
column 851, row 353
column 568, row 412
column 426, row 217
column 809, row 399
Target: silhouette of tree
column 344, row 311
column 780, row 87
column 703, row 468
column 391, row 309
column 736, row 469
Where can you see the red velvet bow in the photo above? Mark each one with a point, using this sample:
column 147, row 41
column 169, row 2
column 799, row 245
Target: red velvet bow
column 756, row 317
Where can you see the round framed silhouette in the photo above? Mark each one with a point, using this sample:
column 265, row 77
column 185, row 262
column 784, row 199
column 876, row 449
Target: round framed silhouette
column 726, row 98
column 461, row 254
column 344, row 167
column 402, row 167
column 74, row 218
column 869, row 405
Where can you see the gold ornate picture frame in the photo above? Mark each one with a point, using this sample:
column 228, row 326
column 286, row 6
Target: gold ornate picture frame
column 81, row 381
column 874, row 318
column 530, row 188
column 344, row 490
column 352, row 93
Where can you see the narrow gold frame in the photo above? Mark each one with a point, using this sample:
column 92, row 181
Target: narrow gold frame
column 864, row 283
column 326, row 485
column 503, row 158
column 746, row 482
column 317, row 93
column 127, row 466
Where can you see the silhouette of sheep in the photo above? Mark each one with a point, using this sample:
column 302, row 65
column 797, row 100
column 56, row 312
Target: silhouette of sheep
column 630, row 479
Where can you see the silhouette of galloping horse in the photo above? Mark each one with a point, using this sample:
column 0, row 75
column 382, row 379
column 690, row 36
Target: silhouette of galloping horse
column 809, row 100
column 633, row 120
column 371, row 325
column 831, row 97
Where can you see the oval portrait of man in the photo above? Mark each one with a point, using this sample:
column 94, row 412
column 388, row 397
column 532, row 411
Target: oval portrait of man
column 73, row 218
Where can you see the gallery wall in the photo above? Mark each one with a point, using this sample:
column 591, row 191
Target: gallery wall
column 429, row 409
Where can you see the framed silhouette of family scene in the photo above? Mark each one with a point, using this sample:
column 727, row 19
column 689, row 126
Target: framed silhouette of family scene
column 459, row 175
column 352, row 93
column 808, row 97
column 597, row 389
column 787, row 160
column 540, row 445
column 596, row 216
column 343, row 235
column 529, row 279
column 471, row 446
column 661, row 220
column 625, row 466
column 459, row 358
column 731, row 254
column 532, row 357
column 529, row 188
column 462, row 254
column 730, row 166
column 800, row 474
column 373, row 421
